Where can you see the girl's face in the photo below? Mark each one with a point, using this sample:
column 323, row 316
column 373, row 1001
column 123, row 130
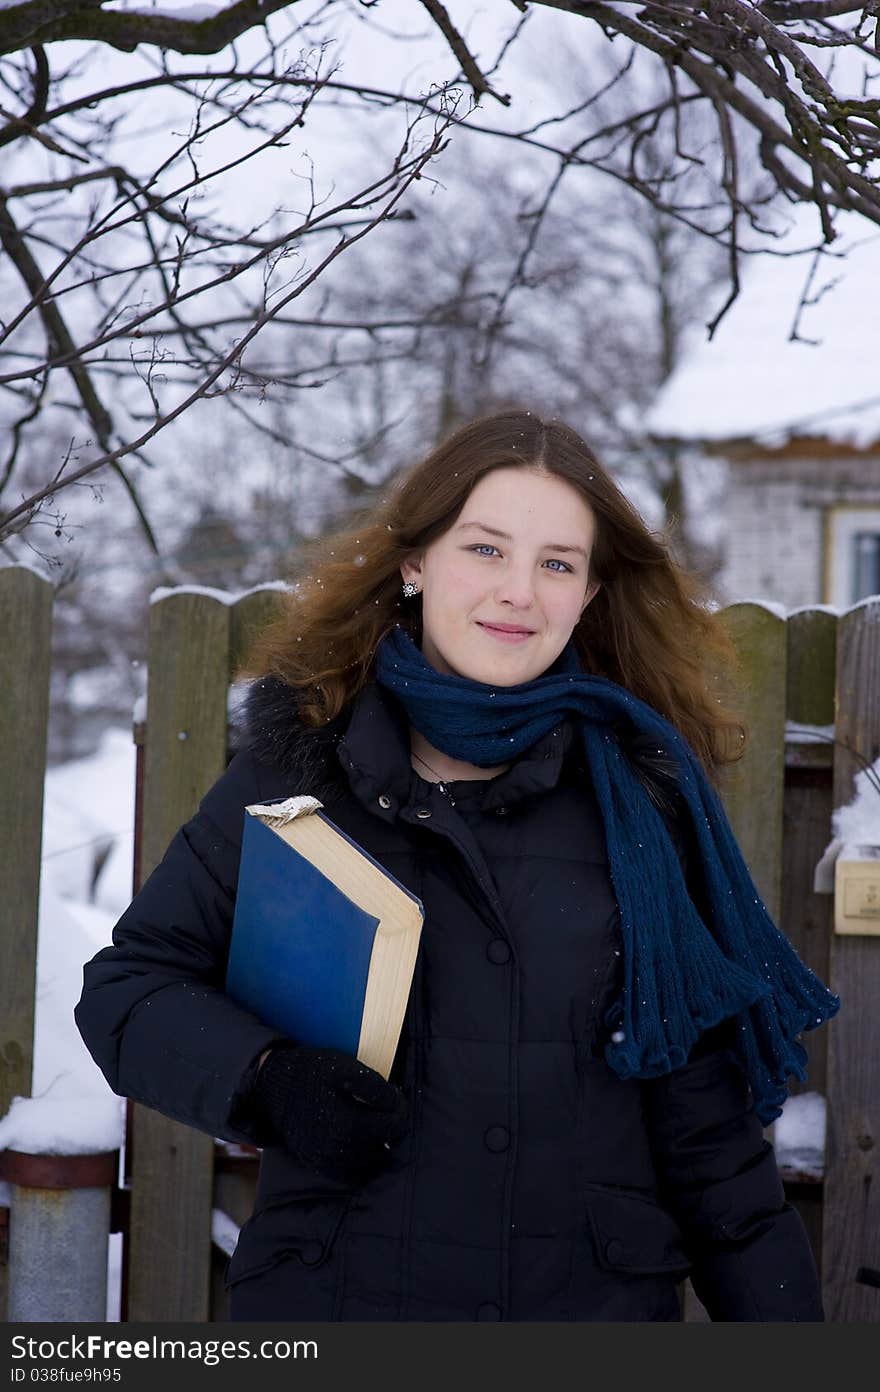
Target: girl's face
column 503, row 589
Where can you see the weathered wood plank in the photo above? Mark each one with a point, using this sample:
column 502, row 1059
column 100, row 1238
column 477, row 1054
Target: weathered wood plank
column 251, row 612
column 753, row 788
column 811, row 666
column 26, row 629
column 185, row 752
column 807, row 918
column 25, row 636
column 851, row 1217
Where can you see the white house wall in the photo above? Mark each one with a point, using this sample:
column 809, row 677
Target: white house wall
column 787, row 522
column 774, row 542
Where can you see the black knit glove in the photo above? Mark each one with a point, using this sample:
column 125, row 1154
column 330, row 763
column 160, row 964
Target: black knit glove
column 334, row 1114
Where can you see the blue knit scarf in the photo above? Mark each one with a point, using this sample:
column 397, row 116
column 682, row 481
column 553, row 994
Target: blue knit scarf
column 681, row 975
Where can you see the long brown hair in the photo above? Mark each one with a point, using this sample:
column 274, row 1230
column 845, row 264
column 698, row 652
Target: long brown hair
column 649, row 627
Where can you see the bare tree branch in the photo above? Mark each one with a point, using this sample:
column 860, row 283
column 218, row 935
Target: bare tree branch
column 405, row 171
column 469, row 66
column 45, row 21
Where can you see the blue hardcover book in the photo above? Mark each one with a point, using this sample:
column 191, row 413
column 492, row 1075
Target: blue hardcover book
column 324, row 939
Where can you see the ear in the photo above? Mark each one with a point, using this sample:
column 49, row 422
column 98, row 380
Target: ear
column 411, row 568
column 592, row 590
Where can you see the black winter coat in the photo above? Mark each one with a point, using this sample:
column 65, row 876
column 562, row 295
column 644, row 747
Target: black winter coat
column 533, row 1183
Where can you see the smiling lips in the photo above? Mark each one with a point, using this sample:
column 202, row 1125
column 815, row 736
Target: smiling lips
column 508, row 633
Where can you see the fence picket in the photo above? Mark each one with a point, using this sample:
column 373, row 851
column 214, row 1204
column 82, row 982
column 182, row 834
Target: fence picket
column 851, row 1202
column 752, row 788
column 25, row 636
column 169, row 1246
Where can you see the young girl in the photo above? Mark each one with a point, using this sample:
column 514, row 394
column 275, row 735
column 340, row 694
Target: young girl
column 497, row 684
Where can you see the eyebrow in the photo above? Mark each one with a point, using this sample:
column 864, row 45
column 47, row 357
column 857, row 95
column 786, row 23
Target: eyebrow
column 493, row 531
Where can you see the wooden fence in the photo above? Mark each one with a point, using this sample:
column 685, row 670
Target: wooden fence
column 811, row 668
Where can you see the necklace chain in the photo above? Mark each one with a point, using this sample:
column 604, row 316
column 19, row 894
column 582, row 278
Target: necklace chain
column 441, row 782
column 427, row 765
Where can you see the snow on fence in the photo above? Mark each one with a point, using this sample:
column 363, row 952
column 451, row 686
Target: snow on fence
column 809, row 696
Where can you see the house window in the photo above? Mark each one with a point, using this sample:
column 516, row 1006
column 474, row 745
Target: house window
column 853, row 570
column 866, row 565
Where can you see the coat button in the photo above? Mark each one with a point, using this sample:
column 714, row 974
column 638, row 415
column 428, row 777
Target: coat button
column 423, row 812
column 311, row 1252
column 384, row 800
column 501, row 811
column 613, row 1250
column 498, row 952
column 497, row 1138
column 488, row 1311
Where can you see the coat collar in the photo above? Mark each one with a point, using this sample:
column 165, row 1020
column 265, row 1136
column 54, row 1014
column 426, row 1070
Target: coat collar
column 375, row 752
column 367, row 746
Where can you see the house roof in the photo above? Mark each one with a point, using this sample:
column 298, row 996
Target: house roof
column 796, row 356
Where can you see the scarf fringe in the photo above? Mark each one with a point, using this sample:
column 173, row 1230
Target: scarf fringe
column 685, row 979
column 677, row 981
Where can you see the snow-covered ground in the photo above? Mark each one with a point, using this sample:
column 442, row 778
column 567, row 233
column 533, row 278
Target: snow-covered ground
column 88, row 836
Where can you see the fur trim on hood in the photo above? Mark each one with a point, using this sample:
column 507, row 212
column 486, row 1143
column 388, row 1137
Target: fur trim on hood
column 268, row 723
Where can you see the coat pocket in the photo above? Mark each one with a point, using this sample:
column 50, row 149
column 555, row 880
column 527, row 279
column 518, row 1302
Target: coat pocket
column 633, row 1233
column 304, row 1224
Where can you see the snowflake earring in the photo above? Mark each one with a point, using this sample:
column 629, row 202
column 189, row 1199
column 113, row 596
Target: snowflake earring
column 410, row 589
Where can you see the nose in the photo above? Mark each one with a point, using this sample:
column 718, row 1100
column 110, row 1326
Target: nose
column 516, row 589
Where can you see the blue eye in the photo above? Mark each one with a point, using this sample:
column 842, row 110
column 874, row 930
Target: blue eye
column 483, row 546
